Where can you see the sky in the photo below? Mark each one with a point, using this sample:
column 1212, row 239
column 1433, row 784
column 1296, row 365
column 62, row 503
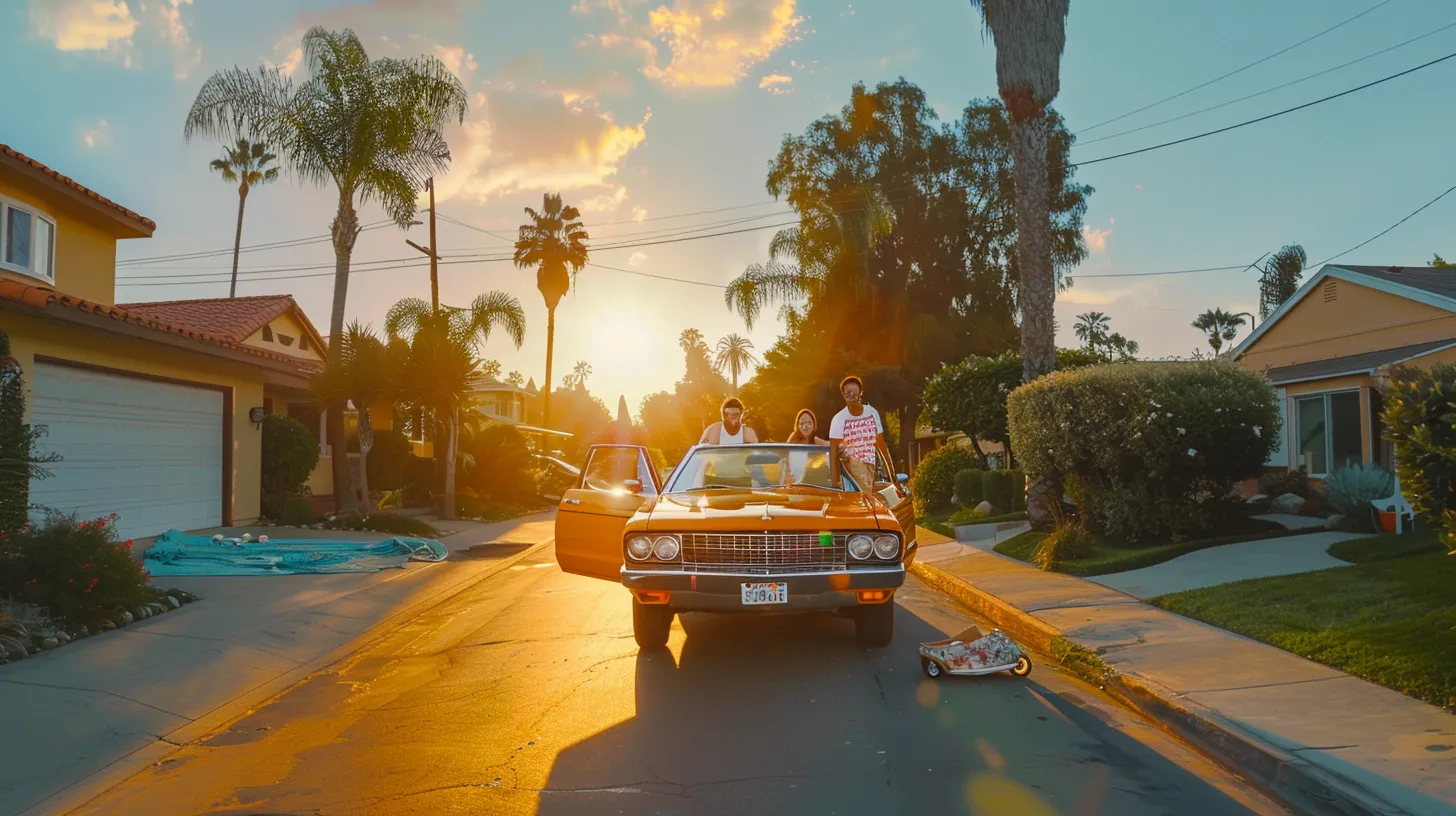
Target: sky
column 647, row 113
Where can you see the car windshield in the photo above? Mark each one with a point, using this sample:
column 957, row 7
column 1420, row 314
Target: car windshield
column 757, row 467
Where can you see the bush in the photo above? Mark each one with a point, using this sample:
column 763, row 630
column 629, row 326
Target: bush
column 383, row 523
column 76, row 570
column 968, row 488
column 1294, row 481
column 289, row 511
column 290, row 453
column 1066, row 543
column 1005, row 490
column 1350, row 490
column 498, row 464
column 933, row 484
column 20, row 461
column 1155, row 447
column 388, row 462
column 1418, row 407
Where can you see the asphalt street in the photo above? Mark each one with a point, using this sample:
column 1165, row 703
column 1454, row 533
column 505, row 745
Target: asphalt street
column 526, row 694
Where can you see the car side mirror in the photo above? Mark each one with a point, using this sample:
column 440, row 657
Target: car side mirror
column 902, row 478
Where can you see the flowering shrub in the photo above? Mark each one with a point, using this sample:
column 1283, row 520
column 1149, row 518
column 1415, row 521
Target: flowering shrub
column 1155, row 448
column 933, row 482
column 76, row 570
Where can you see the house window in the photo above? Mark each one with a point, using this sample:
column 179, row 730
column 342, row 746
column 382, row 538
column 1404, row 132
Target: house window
column 303, row 342
column 1327, row 431
column 27, row 241
column 267, row 334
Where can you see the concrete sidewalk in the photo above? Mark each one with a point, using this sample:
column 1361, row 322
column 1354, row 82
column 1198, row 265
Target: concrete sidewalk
column 94, row 708
column 1328, row 742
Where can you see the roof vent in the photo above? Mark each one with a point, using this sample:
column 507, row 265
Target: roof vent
column 1331, row 293
column 1394, row 270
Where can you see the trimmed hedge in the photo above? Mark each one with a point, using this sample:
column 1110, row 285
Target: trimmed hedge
column 1155, row 448
column 1005, row 490
column 933, row 483
column 1419, row 406
column 968, row 488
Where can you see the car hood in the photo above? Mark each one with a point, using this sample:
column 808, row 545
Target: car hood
column 763, row 510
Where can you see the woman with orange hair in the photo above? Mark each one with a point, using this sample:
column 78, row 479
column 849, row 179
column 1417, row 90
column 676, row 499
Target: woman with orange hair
column 806, row 430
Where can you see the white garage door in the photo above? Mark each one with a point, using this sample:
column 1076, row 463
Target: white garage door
column 150, row 452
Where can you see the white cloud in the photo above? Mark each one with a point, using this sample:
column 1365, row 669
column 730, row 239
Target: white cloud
column 84, row 25
column 772, row 83
column 699, row 43
column 637, row 259
column 1082, row 297
column 536, row 137
column 638, row 213
column 1096, row 239
column 110, row 26
column 460, row 62
column 95, row 134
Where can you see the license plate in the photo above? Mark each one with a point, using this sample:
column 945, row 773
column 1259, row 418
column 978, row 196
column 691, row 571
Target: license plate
column 755, row 594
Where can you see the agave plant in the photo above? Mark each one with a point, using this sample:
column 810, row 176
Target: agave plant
column 1350, row 489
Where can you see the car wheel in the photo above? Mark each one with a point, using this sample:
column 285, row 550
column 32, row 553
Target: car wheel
column 650, row 624
column 930, row 667
column 875, row 624
column 1022, row 667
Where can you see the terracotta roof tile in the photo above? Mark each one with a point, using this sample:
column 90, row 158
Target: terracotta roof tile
column 44, row 297
column 234, row 319
column 77, row 186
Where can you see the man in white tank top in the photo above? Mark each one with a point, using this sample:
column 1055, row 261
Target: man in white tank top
column 731, row 431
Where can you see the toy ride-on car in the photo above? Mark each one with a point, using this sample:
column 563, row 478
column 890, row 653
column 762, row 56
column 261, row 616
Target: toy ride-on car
column 972, row 652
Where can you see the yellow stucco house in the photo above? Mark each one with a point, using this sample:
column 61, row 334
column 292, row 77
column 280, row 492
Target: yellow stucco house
column 1328, row 347
column 151, row 405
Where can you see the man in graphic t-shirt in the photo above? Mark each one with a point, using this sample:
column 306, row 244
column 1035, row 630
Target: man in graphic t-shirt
column 856, row 434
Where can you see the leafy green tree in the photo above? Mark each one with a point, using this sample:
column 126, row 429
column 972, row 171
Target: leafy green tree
column 365, row 375
column 436, row 367
column 373, row 129
column 245, row 164
column 555, row 243
column 1280, row 279
column 1419, row 408
column 20, row 461
column 1437, row 262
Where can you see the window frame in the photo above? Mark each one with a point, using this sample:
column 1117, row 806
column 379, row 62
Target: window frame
column 1295, row 449
column 37, row 215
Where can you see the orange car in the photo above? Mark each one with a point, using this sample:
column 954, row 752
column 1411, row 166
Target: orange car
column 738, row 528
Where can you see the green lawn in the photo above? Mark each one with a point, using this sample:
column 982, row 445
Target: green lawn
column 1389, row 619
column 938, row 521
column 1109, row 556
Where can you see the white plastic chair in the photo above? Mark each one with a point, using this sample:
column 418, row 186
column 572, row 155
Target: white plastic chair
column 1395, row 503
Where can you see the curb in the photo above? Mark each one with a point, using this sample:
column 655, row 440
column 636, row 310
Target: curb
column 1308, row 788
column 100, row 781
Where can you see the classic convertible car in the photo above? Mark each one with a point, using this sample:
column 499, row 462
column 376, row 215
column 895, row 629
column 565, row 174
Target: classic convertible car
column 738, row 528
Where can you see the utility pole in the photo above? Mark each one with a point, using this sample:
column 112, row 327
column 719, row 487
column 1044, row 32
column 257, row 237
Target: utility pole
column 434, row 258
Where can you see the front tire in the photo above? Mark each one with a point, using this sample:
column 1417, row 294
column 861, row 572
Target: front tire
column 874, row 625
column 651, row 624
column 931, row 668
column 1022, row 667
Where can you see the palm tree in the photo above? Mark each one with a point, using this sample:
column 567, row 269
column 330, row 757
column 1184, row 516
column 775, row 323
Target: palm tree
column 492, row 310
column 1030, row 36
column 245, row 164
column 579, row 373
column 365, row 373
column 1091, row 328
column 371, row 128
column 1220, row 326
column 555, row 243
column 735, row 354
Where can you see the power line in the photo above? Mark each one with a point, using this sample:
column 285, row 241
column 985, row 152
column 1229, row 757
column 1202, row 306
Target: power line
column 287, row 244
column 1156, row 274
column 1268, row 90
column 1263, row 118
column 656, row 277
column 1384, row 231
column 1235, row 71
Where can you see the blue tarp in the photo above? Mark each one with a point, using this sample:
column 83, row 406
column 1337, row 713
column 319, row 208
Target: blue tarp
column 177, row 553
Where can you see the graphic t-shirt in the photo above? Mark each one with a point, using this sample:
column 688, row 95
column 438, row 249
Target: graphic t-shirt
column 856, row 434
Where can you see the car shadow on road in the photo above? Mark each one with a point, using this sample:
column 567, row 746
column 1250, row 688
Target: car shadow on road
column 765, row 715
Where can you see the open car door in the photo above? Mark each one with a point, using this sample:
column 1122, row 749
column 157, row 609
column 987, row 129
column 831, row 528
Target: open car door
column 896, row 495
column 616, row 482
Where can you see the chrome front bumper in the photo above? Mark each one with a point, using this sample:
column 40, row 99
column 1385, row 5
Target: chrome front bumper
column 721, row 592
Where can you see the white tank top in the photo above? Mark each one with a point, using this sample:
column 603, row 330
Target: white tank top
column 725, row 438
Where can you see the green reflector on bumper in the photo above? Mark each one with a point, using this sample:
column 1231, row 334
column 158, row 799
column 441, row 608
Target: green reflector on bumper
column 826, row 539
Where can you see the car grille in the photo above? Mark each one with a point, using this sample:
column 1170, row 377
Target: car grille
column 798, row 550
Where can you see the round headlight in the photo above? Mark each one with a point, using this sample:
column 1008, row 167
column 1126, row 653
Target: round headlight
column 887, row 546
column 860, row 546
column 639, row 548
column 666, row 548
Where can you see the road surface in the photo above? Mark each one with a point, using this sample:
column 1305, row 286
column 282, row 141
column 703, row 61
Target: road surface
column 526, row 694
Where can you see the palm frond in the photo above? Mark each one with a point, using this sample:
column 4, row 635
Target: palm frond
column 500, row 310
